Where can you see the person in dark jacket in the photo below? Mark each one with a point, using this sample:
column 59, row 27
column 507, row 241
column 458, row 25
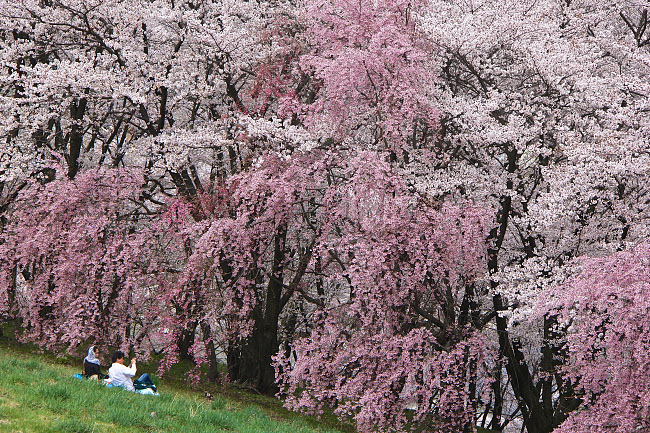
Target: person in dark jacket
column 92, row 365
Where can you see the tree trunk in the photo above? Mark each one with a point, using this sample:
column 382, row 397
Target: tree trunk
column 185, row 341
column 521, row 380
column 77, row 111
column 497, row 412
column 213, row 368
column 251, row 360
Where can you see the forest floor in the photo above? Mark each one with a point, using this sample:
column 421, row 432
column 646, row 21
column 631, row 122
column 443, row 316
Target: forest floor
column 38, row 394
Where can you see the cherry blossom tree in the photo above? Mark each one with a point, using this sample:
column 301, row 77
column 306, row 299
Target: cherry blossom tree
column 153, row 86
column 544, row 117
column 74, row 260
column 402, row 326
column 604, row 310
column 96, row 82
column 371, row 65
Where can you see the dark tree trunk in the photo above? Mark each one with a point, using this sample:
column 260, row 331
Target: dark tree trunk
column 77, row 111
column 233, row 358
column 251, row 360
column 497, row 412
column 521, row 380
column 244, row 358
column 185, row 341
column 213, row 368
column 11, row 296
column 269, row 342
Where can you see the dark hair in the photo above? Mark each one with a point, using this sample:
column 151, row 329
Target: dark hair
column 117, row 355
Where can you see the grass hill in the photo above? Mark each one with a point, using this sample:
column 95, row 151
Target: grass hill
column 38, row 394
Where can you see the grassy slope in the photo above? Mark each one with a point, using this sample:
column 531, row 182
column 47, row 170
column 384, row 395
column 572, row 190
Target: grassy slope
column 38, row 394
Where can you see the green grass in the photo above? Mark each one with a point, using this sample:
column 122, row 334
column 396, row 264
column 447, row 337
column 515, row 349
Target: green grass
column 38, row 394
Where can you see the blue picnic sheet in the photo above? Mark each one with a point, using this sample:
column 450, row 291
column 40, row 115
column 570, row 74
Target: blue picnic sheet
column 145, row 391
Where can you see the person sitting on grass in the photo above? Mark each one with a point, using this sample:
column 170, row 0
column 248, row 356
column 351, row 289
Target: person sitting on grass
column 121, row 375
column 92, row 365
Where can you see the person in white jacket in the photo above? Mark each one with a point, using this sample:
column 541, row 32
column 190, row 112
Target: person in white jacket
column 122, row 376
